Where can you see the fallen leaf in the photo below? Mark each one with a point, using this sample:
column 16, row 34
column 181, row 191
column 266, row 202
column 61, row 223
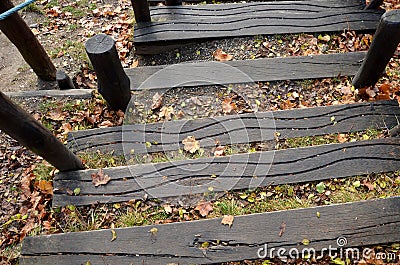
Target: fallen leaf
column 45, row 186
column 134, row 64
column 305, row 242
column 369, row 185
column 222, row 56
column 220, row 151
column 168, row 208
column 157, row 101
column 153, row 231
column 114, row 235
column 282, row 229
column 342, row 138
column 190, row 144
column 204, row 208
column 227, row 220
column 228, row 106
column 100, row 178
column 166, row 112
column 106, row 124
column 56, row 115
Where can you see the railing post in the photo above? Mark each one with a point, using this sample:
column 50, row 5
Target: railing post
column 384, row 44
column 173, row 2
column 141, row 10
column 16, row 30
column 30, row 133
column 374, row 4
column 113, row 83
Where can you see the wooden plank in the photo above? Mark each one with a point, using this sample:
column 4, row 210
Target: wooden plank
column 157, row 33
column 163, row 13
column 242, row 171
column 267, row 69
column 72, row 93
column 359, row 224
column 237, row 129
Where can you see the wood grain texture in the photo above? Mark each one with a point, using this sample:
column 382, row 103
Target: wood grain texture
column 242, row 171
column 237, row 129
column 361, row 223
column 71, row 93
column 249, row 25
column 163, row 13
column 267, row 69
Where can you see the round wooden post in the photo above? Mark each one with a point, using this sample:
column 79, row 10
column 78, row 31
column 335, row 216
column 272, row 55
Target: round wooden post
column 141, row 10
column 173, row 2
column 113, row 83
column 30, row 133
column 16, row 30
column 374, row 4
column 384, row 44
column 64, row 81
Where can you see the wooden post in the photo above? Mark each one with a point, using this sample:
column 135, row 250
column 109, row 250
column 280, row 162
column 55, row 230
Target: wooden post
column 384, row 44
column 141, row 10
column 18, row 32
column 374, row 4
column 113, row 83
column 30, row 133
column 173, row 2
column 64, row 81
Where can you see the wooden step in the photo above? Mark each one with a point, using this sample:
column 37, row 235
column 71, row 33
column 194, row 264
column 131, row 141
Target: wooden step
column 242, row 171
column 237, row 129
column 210, row 11
column 150, row 37
column 355, row 224
column 245, row 71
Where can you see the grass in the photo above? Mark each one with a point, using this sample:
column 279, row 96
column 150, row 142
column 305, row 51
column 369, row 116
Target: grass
column 101, row 160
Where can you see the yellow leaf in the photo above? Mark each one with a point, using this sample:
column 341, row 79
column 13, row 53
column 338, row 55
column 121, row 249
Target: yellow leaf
column 114, row 234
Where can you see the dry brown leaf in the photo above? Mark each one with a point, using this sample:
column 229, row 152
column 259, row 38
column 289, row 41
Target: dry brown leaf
column 369, row 185
column 56, row 115
column 204, row 208
column 166, row 112
column 106, row 124
column 157, row 101
column 228, row 106
column 222, row 56
column 168, row 208
column 45, row 186
column 66, row 127
column 220, row 151
column 190, row 144
column 100, row 178
column 227, row 220
column 342, row 138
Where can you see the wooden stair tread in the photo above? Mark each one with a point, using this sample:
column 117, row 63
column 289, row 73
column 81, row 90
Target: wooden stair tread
column 241, row 171
column 231, row 129
column 245, row 71
column 163, row 13
column 360, row 223
column 160, row 33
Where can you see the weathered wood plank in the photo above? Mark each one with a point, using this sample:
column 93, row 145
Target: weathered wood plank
column 72, row 93
column 163, row 13
column 237, row 129
column 243, row 171
column 360, row 223
column 156, row 33
column 267, row 69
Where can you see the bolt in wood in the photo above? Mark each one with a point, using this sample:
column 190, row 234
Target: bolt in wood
column 30, row 133
column 113, row 83
column 384, row 44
